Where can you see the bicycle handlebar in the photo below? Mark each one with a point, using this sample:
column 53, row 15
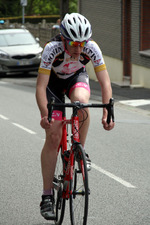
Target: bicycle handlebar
column 78, row 105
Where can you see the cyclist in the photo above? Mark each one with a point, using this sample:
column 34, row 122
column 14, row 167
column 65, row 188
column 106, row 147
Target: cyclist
column 62, row 70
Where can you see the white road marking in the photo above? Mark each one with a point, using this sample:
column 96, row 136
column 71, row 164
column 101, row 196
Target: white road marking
column 136, row 102
column 3, row 82
column 118, row 179
column 24, row 128
column 3, row 117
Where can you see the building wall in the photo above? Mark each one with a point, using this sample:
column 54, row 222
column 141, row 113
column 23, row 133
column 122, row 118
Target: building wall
column 140, row 76
column 136, row 58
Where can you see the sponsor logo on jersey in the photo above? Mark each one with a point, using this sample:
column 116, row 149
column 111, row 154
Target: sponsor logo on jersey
column 97, row 62
column 46, row 63
column 90, row 52
column 54, row 51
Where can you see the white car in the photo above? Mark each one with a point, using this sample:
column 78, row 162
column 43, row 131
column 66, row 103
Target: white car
column 19, row 51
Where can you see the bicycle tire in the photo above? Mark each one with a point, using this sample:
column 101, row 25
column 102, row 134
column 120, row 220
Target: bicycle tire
column 58, row 186
column 80, row 190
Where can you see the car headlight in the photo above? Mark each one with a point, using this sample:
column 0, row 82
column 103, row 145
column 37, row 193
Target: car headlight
column 3, row 55
column 39, row 55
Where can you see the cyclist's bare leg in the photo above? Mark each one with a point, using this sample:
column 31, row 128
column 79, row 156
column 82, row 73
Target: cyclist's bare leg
column 82, row 95
column 48, row 155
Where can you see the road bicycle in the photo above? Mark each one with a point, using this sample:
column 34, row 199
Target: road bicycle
column 71, row 175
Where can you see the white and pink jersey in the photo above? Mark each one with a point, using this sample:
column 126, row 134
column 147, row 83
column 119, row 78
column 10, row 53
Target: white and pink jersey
column 55, row 58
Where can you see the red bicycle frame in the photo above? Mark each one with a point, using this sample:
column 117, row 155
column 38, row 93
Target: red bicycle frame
column 68, row 171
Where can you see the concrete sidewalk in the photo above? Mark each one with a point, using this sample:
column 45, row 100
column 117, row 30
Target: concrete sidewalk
column 121, row 93
column 136, row 97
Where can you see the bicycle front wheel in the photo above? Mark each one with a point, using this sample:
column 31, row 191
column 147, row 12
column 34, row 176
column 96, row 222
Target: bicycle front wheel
column 79, row 189
column 58, row 186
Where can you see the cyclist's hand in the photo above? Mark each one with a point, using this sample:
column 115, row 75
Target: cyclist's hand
column 45, row 124
column 107, row 126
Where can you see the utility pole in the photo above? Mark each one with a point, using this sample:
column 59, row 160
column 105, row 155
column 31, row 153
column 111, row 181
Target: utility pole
column 64, row 8
column 23, row 3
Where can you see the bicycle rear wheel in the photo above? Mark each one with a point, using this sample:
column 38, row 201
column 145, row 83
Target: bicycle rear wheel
column 79, row 188
column 58, row 186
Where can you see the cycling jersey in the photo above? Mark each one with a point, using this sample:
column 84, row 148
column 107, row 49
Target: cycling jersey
column 55, row 58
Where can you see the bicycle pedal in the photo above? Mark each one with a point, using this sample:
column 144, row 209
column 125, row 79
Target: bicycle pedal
column 50, row 218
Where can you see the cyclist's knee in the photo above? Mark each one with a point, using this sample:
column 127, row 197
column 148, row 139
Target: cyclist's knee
column 83, row 99
column 53, row 136
column 53, row 139
column 80, row 94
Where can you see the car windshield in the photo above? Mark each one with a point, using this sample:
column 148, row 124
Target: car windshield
column 12, row 39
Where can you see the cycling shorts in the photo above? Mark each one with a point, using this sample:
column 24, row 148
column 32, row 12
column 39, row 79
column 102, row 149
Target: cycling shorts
column 57, row 88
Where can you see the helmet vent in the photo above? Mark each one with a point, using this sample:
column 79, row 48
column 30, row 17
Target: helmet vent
column 86, row 32
column 69, row 22
column 80, row 19
column 64, row 32
column 73, row 33
column 80, row 31
column 74, row 19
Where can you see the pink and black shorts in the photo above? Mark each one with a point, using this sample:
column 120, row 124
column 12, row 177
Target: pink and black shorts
column 57, row 88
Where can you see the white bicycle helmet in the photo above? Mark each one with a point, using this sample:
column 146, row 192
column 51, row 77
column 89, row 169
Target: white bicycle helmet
column 75, row 27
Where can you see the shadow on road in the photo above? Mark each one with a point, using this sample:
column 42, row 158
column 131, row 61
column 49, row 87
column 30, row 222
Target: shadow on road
column 19, row 75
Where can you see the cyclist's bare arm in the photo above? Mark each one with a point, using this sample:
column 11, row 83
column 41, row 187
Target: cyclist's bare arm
column 104, row 81
column 42, row 81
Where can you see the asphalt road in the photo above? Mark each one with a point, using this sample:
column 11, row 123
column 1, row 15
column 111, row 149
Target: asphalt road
column 138, row 97
column 120, row 175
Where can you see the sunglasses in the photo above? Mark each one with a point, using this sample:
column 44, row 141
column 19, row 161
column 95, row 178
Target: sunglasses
column 76, row 43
